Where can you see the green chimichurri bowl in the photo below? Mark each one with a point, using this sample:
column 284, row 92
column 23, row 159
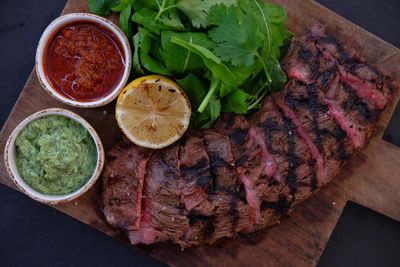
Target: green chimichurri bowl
column 54, row 156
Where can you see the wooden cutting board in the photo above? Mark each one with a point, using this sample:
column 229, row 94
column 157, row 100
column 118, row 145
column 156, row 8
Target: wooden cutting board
column 371, row 178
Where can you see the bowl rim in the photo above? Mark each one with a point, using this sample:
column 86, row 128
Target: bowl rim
column 52, row 29
column 9, row 157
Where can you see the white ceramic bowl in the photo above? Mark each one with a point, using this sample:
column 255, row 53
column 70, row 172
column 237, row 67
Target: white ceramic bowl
column 53, row 28
column 9, row 158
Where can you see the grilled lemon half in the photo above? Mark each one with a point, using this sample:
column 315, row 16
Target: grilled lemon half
column 153, row 111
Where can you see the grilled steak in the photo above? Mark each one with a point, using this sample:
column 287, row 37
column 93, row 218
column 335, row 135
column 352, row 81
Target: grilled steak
column 247, row 172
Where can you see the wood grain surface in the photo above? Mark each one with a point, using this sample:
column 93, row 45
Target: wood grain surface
column 371, row 178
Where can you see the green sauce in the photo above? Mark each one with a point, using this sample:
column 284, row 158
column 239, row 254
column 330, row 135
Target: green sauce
column 55, row 155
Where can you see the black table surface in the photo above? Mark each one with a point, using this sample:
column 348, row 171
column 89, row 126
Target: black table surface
column 32, row 234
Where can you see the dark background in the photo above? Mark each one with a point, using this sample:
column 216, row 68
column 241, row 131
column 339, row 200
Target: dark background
column 32, row 234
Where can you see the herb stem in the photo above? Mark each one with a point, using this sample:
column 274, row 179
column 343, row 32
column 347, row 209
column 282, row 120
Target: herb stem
column 170, row 7
column 264, row 67
column 162, row 9
column 266, row 27
column 213, row 87
column 254, row 105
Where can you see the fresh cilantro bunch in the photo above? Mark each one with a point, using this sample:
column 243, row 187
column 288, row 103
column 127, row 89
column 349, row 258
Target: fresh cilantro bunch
column 224, row 53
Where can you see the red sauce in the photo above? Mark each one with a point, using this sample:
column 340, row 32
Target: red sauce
column 84, row 61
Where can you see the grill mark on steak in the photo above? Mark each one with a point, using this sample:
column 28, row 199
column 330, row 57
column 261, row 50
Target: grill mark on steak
column 314, row 178
column 233, row 209
column 338, row 48
column 196, row 168
column 281, row 206
column 369, row 114
column 292, row 157
column 208, row 220
column 342, row 155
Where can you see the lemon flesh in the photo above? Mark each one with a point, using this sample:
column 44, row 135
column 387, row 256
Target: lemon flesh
column 153, row 111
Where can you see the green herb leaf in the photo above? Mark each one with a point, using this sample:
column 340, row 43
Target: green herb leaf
column 197, row 11
column 194, row 89
column 214, row 107
column 271, row 19
column 236, row 102
column 217, row 14
column 137, row 42
column 278, row 75
column 219, row 70
column 147, row 19
column 149, row 60
column 238, row 38
column 125, row 21
column 123, row 4
column 196, row 48
column 101, row 7
column 153, row 65
column 178, row 59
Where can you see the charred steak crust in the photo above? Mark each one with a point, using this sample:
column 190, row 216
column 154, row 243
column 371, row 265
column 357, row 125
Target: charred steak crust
column 248, row 172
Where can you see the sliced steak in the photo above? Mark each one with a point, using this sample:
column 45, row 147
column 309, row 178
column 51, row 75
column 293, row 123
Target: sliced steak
column 224, row 177
column 123, row 178
column 163, row 209
column 225, row 212
column 195, row 172
column 355, row 104
column 355, row 70
column 228, row 215
column 305, row 102
column 293, row 160
column 248, row 157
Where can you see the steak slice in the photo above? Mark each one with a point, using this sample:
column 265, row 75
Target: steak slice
column 332, row 145
column 224, row 177
column 295, row 167
column 248, row 157
column 222, row 215
column 354, row 69
column 355, row 104
column 195, row 171
column 225, row 211
column 123, row 178
column 163, row 210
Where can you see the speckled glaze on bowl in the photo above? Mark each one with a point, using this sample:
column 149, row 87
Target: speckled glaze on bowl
column 9, row 158
column 53, row 28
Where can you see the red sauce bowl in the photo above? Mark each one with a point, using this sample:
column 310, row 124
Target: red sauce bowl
column 83, row 60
